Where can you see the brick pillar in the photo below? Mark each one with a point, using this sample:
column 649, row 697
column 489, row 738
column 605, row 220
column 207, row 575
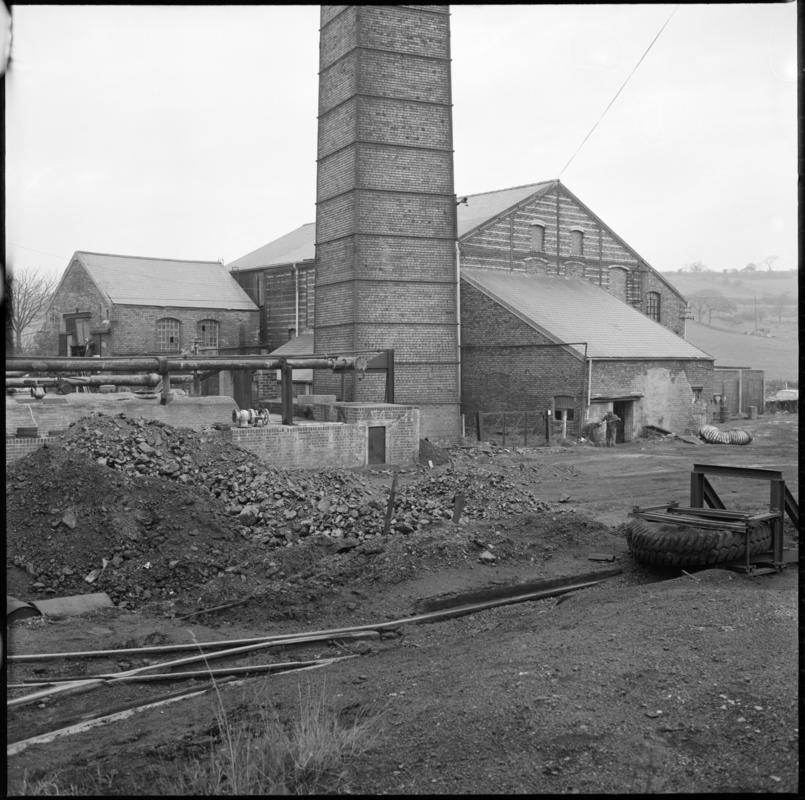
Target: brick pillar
column 385, row 206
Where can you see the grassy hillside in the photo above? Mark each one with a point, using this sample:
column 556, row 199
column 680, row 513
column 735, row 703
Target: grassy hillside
column 740, row 286
column 778, row 356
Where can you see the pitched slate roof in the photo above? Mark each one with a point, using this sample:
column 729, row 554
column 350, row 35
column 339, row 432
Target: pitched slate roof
column 296, row 246
column 481, row 208
column 568, row 310
column 134, row 280
column 301, row 345
column 300, row 244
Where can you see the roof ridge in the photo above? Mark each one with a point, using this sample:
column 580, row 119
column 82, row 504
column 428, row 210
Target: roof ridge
column 147, row 258
column 512, row 188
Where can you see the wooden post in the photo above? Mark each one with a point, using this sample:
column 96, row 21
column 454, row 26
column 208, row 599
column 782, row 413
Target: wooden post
column 696, row 490
column 458, row 507
column 478, row 425
column 504, row 429
column 777, row 503
column 525, row 429
column 286, row 393
column 548, row 425
column 166, row 380
column 390, row 506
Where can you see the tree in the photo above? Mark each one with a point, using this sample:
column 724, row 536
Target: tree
column 768, row 261
column 698, row 266
column 750, row 267
column 7, row 303
column 706, row 301
column 32, row 293
column 781, row 302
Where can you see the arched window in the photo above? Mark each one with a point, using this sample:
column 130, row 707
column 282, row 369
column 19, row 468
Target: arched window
column 576, row 243
column 169, row 332
column 537, row 237
column 207, row 333
column 653, row 306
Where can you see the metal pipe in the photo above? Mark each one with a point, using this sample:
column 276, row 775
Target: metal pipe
column 206, row 673
column 296, row 299
column 458, row 320
column 150, row 379
column 179, row 364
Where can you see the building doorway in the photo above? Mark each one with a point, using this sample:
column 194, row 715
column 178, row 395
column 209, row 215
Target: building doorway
column 377, row 444
column 625, row 410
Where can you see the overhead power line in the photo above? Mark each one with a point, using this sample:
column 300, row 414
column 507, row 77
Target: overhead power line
column 628, row 78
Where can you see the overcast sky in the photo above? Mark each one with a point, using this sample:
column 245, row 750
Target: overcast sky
column 190, row 131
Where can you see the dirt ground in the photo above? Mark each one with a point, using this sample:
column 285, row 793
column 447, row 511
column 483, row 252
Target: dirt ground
column 648, row 682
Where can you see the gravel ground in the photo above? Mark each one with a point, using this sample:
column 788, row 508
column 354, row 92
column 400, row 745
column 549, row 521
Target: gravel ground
column 649, row 682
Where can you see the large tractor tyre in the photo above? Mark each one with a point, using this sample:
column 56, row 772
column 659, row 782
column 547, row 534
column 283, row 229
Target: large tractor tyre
column 664, row 545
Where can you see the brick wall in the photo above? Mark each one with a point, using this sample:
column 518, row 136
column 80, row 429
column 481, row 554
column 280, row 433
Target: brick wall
column 341, row 440
column 502, row 370
column 385, row 214
column 19, row 447
column 665, row 385
column 605, row 261
column 672, row 306
column 402, row 424
column 279, row 292
column 76, row 293
column 133, row 328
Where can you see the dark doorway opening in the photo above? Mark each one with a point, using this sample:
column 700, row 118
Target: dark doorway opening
column 377, row 444
column 624, row 410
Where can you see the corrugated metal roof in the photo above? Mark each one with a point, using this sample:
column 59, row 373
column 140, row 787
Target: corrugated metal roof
column 480, row 208
column 134, row 280
column 568, row 310
column 296, row 246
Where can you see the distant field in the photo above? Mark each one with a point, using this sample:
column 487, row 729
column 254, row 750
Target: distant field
column 739, row 285
column 777, row 357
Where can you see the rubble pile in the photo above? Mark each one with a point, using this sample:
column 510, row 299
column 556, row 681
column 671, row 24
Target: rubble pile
column 280, row 506
column 73, row 526
column 145, row 511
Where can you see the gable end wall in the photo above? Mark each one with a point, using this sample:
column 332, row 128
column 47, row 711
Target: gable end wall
column 506, row 244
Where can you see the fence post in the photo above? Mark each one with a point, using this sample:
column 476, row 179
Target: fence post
column 548, row 426
column 525, row 429
column 478, row 425
column 504, row 429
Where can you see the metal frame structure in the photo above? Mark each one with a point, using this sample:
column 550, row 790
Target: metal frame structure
column 159, row 368
column 781, row 502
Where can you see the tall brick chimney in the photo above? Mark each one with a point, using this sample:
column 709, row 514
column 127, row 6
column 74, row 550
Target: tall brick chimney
column 386, row 207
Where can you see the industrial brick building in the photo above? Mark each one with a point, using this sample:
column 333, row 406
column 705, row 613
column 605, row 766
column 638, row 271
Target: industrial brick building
column 581, row 328
column 112, row 305
column 385, row 205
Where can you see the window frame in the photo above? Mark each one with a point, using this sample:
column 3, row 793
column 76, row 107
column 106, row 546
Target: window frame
column 537, row 232
column 163, row 335
column 576, row 242
column 202, row 335
column 653, row 305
